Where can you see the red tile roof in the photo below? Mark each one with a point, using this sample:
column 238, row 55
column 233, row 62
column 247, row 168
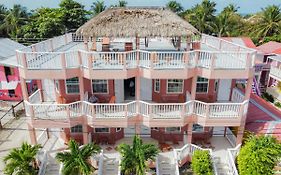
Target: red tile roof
column 270, row 47
column 245, row 41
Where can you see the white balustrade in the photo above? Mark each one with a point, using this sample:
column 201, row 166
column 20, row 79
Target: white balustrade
column 231, row 156
column 145, row 57
column 72, row 60
column 43, row 163
column 124, row 110
column 85, row 56
column 43, row 138
column 237, row 96
column 224, row 110
column 230, row 137
column 275, row 72
column 43, row 60
column 35, row 97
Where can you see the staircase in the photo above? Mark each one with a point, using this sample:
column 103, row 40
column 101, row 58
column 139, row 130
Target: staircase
column 109, row 164
column 53, row 166
column 221, row 163
column 167, row 164
column 255, row 87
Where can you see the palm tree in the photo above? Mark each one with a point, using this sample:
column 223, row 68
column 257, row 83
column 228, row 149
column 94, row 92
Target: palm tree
column 15, row 18
column 269, row 22
column 98, row 7
column 122, row 3
column 202, row 16
column 22, row 160
column 174, row 6
column 76, row 160
column 134, row 157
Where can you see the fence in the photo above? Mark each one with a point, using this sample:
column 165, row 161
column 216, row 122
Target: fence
column 12, row 113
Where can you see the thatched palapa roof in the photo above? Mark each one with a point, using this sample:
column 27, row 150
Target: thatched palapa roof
column 141, row 22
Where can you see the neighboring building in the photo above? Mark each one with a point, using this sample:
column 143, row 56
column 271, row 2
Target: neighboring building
column 264, row 51
column 274, row 83
column 10, row 88
column 169, row 93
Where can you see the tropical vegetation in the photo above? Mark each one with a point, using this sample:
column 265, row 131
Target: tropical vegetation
column 22, row 161
column 76, row 160
column 135, row 156
column 262, row 26
column 201, row 163
column 259, row 155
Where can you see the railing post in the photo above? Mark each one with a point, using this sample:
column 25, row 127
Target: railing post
column 207, row 111
column 212, row 66
column 24, row 61
column 124, row 61
column 51, row 45
column 68, row 112
column 152, row 59
column 63, row 61
column 91, row 57
column 149, row 111
column 186, row 59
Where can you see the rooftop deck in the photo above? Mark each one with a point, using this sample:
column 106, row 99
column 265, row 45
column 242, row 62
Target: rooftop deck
column 65, row 56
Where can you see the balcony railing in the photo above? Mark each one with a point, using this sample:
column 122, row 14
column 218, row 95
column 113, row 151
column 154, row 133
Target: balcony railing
column 216, row 60
column 231, row 156
column 276, row 72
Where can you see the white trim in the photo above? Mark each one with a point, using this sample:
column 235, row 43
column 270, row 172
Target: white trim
column 101, row 132
column 155, row 85
column 118, row 129
column 203, row 82
column 66, row 90
column 57, row 88
column 174, row 92
column 107, row 86
column 172, row 131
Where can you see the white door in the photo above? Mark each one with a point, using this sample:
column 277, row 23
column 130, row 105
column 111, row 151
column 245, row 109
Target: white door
column 119, row 90
column 146, row 89
column 49, row 90
column 224, row 89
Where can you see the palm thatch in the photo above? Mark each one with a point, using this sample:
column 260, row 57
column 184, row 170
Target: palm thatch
column 141, row 22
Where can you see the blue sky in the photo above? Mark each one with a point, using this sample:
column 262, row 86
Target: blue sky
column 246, row 6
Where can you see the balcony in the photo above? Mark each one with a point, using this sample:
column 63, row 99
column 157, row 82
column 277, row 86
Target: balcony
column 68, row 60
column 124, row 114
column 275, row 67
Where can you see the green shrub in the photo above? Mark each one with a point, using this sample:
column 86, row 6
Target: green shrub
column 268, row 97
column 202, row 163
column 259, row 155
column 278, row 104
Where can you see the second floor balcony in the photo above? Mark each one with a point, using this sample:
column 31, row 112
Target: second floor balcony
column 275, row 68
column 151, row 114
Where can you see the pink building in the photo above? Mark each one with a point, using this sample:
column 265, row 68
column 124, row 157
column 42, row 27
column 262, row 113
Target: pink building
column 10, row 88
column 103, row 89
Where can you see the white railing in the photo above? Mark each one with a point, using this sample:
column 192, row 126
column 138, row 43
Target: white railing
column 124, row 110
column 231, row 156
column 43, row 138
column 43, row 163
column 188, row 150
column 134, row 59
column 100, row 168
column 275, row 72
column 230, row 137
column 35, row 97
column 237, row 96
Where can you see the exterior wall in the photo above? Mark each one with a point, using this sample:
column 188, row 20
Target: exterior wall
column 163, row 96
column 68, row 98
column 111, row 137
column 4, row 95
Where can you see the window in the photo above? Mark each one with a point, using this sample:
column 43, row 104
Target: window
column 197, row 128
column 100, row 86
column 173, row 129
column 102, row 130
column 72, row 85
column 174, row 86
column 157, row 85
column 202, row 85
column 11, row 93
column 155, row 128
column 118, row 129
column 77, row 129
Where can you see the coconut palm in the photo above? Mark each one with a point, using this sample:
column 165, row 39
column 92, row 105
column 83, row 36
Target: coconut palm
column 269, row 22
column 15, row 18
column 202, row 16
column 21, row 161
column 122, row 3
column 134, row 156
column 76, row 160
column 174, row 6
column 98, row 7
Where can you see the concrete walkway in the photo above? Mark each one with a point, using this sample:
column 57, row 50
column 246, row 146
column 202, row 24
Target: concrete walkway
column 13, row 134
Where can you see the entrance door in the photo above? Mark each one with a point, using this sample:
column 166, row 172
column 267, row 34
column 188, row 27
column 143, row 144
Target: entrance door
column 119, row 90
column 146, row 89
column 49, row 90
column 224, row 89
